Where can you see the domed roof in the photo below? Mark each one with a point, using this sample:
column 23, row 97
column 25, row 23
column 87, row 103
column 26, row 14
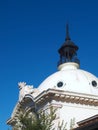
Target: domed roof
column 70, row 78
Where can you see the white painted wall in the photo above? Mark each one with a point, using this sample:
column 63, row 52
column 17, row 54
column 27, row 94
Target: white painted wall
column 78, row 112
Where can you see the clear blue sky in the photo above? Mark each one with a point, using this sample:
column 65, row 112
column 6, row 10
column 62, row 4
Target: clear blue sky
column 31, row 31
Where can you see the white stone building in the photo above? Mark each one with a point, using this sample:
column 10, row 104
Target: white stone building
column 74, row 92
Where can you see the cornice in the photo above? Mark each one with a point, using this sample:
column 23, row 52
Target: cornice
column 66, row 96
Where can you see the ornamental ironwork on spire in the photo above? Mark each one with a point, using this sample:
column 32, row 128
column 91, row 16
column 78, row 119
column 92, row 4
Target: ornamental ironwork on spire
column 68, row 50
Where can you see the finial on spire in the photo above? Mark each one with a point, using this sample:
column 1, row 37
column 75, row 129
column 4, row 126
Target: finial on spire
column 67, row 33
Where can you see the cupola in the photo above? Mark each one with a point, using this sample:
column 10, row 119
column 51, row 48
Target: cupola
column 68, row 51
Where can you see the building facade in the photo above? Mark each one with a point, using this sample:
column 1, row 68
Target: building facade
column 71, row 90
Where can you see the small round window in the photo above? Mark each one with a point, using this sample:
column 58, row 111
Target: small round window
column 94, row 83
column 60, row 84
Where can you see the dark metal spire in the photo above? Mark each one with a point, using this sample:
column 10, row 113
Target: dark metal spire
column 67, row 33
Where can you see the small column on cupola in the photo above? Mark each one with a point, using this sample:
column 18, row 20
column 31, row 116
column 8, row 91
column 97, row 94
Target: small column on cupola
column 68, row 51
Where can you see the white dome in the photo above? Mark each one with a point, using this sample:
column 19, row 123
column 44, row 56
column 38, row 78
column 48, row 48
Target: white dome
column 71, row 79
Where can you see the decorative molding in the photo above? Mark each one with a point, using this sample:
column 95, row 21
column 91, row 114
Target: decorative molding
column 66, row 97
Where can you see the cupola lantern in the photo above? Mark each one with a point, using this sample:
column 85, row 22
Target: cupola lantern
column 68, row 50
